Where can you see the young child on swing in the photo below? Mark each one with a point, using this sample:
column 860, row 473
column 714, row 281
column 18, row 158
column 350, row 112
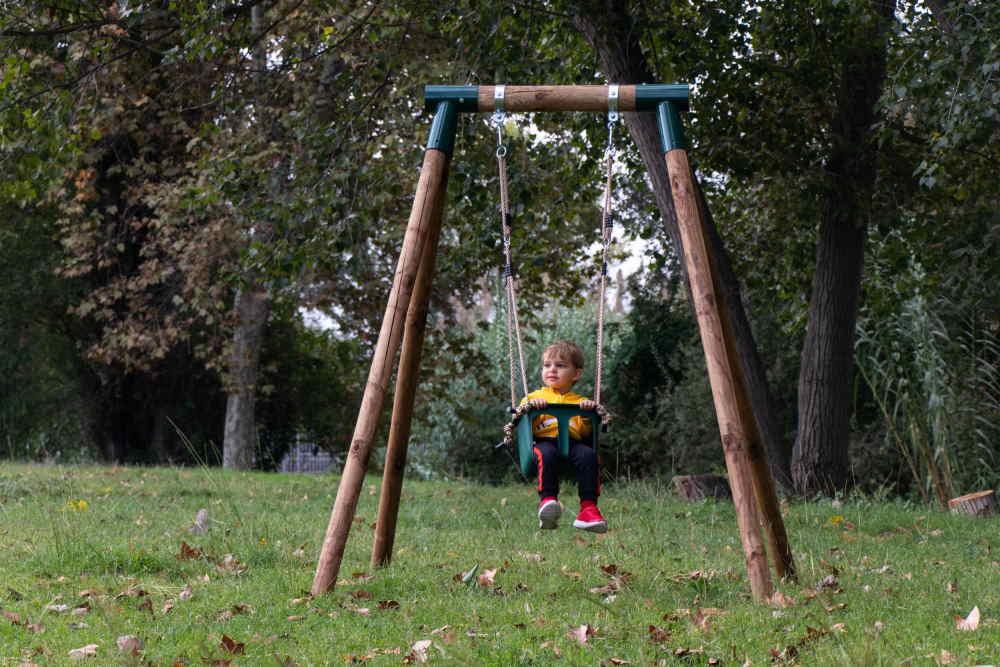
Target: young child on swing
column 562, row 365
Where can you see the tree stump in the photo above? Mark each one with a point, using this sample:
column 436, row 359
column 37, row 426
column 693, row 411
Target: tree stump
column 980, row 503
column 699, row 487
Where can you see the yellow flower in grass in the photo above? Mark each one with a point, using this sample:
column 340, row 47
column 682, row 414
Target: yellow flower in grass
column 79, row 505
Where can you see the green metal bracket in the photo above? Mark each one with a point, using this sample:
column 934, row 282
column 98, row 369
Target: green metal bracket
column 668, row 119
column 649, row 96
column 465, row 98
column 442, row 135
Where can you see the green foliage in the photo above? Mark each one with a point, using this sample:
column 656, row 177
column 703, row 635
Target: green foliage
column 935, row 387
column 309, row 389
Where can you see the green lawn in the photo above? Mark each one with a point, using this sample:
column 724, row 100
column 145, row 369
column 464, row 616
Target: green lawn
column 93, row 554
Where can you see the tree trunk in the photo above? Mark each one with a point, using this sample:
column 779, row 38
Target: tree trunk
column 240, row 440
column 608, row 27
column 820, row 457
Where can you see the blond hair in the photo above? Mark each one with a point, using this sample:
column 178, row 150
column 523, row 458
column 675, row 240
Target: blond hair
column 565, row 350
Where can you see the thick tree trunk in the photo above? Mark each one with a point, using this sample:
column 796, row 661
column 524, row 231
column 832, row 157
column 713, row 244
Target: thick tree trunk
column 240, row 440
column 607, row 26
column 820, row 457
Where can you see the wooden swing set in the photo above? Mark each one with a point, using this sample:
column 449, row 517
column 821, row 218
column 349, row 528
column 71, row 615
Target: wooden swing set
column 406, row 313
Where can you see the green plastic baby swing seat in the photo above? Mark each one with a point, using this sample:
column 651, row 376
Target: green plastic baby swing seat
column 562, row 413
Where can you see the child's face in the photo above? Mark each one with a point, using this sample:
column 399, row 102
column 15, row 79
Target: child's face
column 559, row 374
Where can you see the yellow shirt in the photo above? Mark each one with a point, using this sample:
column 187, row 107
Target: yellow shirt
column 547, row 426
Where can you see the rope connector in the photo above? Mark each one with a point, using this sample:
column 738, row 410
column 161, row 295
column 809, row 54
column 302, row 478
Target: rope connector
column 612, row 103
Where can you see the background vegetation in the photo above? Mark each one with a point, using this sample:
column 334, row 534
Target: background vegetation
column 160, row 159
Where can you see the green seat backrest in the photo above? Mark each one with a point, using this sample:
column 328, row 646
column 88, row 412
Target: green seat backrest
column 562, row 413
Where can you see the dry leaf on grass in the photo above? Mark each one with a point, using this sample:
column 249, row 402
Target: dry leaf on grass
column 487, row 577
column 129, row 644
column 581, row 633
column 232, row 646
column 779, row 599
column 36, row 628
column 12, row 617
column 188, row 552
column 418, row 652
column 185, row 593
column 970, row 622
column 88, row 651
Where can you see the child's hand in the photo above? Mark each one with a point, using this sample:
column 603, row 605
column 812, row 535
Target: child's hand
column 587, row 404
column 537, row 403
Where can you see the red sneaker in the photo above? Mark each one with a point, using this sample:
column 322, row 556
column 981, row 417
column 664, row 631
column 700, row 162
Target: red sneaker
column 590, row 518
column 549, row 511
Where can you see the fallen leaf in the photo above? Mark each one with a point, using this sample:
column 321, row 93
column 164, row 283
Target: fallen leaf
column 970, row 622
column 388, row 604
column 294, row 618
column 230, row 563
column 779, row 599
column 88, row 651
column 12, row 617
column 362, row 576
column 36, row 628
column 531, row 558
column 58, row 608
column 129, row 644
column 187, row 552
column 487, row 577
column 581, row 633
column 185, row 593
column 87, row 593
column 419, row 650
column 945, row 658
column 232, row 646
column 618, row 661
column 361, row 595
column 952, row 587
column 700, row 620
column 167, row 606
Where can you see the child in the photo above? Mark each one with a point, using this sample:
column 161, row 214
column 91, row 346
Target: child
column 562, row 365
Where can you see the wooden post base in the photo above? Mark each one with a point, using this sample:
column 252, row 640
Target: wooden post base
column 980, row 503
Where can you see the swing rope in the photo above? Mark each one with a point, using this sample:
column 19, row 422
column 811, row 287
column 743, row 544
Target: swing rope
column 513, row 321
column 606, row 231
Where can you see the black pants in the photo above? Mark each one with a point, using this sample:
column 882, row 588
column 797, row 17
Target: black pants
column 584, row 460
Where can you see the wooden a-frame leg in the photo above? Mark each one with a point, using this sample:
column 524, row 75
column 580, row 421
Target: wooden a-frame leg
column 403, row 398
column 425, row 217
column 721, row 373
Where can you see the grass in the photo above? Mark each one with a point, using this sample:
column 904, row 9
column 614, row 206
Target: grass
column 105, row 542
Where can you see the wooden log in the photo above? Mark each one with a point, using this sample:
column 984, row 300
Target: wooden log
column 732, row 429
column 430, row 188
column 403, row 397
column 980, row 503
column 556, row 98
column 699, row 487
